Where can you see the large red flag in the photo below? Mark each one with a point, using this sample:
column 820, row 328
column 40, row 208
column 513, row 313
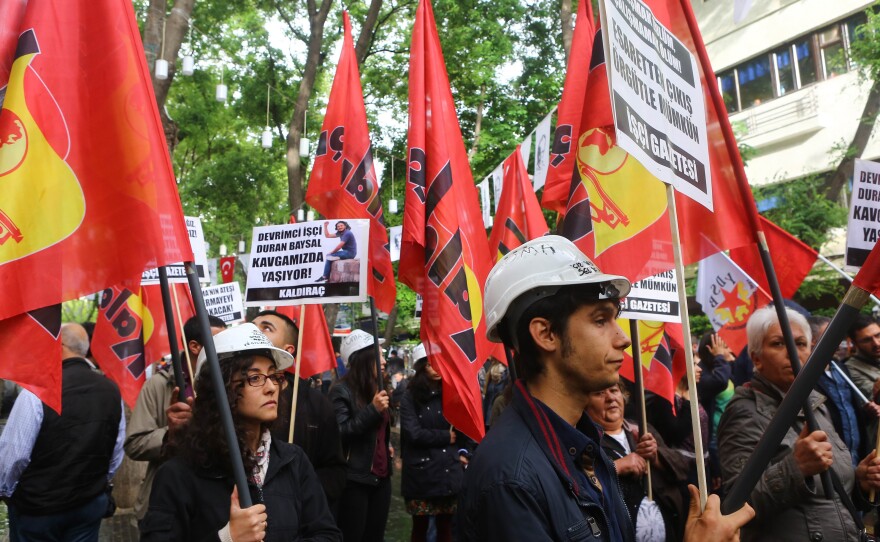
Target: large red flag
column 39, row 330
column 518, row 218
column 868, row 277
column 792, row 259
column 661, row 355
column 444, row 254
column 343, row 182
column 317, row 348
column 568, row 117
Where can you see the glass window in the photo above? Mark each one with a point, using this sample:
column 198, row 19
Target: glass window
column 727, row 83
column 833, row 53
column 806, row 61
column 785, row 70
column 755, row 81
column 853, row 34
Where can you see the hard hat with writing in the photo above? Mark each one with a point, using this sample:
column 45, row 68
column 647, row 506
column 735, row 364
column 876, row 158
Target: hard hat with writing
column 536, row 270
column 246, row 338
column 354, row 341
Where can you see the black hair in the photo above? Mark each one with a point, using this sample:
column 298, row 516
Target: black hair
column 703, row 351
column 291, row 325
column 343, row 222
column 861, row 322
column 557, row 309
column 361, row 376
column 421, row 385
column 193, row 332
column 816, row 324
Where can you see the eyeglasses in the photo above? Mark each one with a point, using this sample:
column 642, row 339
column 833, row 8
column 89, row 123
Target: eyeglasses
column 258, row 380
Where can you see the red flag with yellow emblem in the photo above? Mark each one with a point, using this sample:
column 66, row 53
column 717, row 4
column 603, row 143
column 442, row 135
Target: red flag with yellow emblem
column 444, row 254
column 519, row 217
column 343, row 181
column 661, row 355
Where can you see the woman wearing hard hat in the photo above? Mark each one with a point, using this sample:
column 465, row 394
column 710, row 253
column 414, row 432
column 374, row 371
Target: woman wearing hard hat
column 364, row 425
column 194, row 494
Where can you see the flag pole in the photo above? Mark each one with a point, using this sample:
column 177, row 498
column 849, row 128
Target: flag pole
column 752, row 212
column 238, row 475
column 794, row 399
column 171, row 327
column 688, row 353
column 640, row 391
column 846, row 275
column 189, row 364
column 296, row 370
column 376, row 348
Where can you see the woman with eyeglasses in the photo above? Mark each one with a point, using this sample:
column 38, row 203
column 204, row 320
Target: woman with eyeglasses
column 194, row 496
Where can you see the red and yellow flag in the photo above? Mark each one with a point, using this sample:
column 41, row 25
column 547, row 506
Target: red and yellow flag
column 661, row 355
column 444, row 254
column 343, row 181
column 518, row 218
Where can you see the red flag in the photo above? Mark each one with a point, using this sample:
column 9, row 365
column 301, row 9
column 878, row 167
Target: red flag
column 661, row 354
column 568, row 118
column 317, row 349
column 227, row 268
column 868, row 277
column 343, row 182
column 40, row 331
column 157, row 345
column 444, row 253
column 792, row 259
column 518, row 218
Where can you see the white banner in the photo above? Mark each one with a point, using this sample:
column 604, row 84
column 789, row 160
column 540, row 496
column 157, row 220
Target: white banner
column 212, row 270
column 418, row 315
column 657, row 97
column 486, row 203
column 395, row 237
column 525, row 150
column 308, row 262
column 224, row 301
column 653, row 298
column 176, row 271
column 542, row 152
column 864, row 214
column 497, row 183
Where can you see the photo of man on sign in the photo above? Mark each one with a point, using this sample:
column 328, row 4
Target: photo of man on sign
column 345, row 250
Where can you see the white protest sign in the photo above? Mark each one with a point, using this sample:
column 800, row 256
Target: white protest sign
column 176, row 271
column 498, row 182
column 653, row 298
column 224, row 301
column 525, row 150
column 309, row 262
column 485, row 203
column 542, row 152
column 395, row 238
column 864, row 214
column 657, row 98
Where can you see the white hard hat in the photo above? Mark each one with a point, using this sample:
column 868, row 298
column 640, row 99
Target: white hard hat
column 245, row 338
column 541, row 267
column 354, row 341
column 419, row 352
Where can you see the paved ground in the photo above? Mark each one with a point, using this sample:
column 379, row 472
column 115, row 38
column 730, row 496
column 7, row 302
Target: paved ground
column 120, row 528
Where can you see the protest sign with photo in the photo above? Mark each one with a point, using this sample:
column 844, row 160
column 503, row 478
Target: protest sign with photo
column 654, row 298
column 176, row 272
column 224, row 301
column 395, row 235
column 864, row 214
column 657, row 98
column 309, row 262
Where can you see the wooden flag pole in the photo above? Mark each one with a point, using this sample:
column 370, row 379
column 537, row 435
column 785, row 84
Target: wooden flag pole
column 189, row 364
column 298, row 362
column 170, row 327
column 640, row 391
column 688, row 353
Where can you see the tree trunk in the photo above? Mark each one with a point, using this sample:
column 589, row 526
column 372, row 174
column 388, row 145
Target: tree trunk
column 314, row 58
column 389, row 325
column 844, row 171
column 365, row 39
column 331, row 311
column 567, row 29
column 478, row 123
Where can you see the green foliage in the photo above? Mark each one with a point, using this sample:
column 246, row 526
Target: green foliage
column 865, row 46
column 81, row 310
column 699, row 325
column 802, row 210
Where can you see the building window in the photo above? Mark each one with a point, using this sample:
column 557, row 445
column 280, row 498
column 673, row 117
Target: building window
column 727, row 84
column 784, row 71
column 806, row 62
column 833, row 52
column 755, row 81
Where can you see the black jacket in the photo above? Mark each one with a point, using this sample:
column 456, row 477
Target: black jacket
column 193, row 504
column 431, row 467
column 316, row 432
column 358, row 428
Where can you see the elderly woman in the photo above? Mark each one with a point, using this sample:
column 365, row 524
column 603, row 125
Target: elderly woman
column 660, row 519
column 789, row 499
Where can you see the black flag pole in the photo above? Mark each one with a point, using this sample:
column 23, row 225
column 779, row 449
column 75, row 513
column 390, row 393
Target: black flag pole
column 640, row 393
column 376, row 347
column 171, row 327
column 238, row 475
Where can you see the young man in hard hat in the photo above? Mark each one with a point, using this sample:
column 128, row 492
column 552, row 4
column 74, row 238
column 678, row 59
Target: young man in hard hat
column 540, row 474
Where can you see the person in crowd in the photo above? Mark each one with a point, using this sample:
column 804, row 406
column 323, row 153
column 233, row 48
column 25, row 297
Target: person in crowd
column 194, row 496
column 365, row 427
column 159, row 414
column 433, row 453
column 315, row 429
column 663, row 517
column 540, row 473
column 864, row 364
column 495, row 380
column 345, row 250
column 55, row 469
column 714, row 391
column 789, row 499
column 395, row 364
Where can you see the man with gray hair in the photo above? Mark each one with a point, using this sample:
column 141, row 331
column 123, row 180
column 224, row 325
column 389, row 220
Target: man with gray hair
column 55, row 468
column 789, row 501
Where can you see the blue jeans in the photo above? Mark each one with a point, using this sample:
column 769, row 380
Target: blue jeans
column 80, row 524
column 338, row 255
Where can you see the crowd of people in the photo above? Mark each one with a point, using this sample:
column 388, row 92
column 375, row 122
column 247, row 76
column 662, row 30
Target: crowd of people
column 566, row 456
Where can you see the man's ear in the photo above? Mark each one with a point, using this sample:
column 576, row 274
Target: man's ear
column 291, row 349
column 543, row 337
column 194, row 347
